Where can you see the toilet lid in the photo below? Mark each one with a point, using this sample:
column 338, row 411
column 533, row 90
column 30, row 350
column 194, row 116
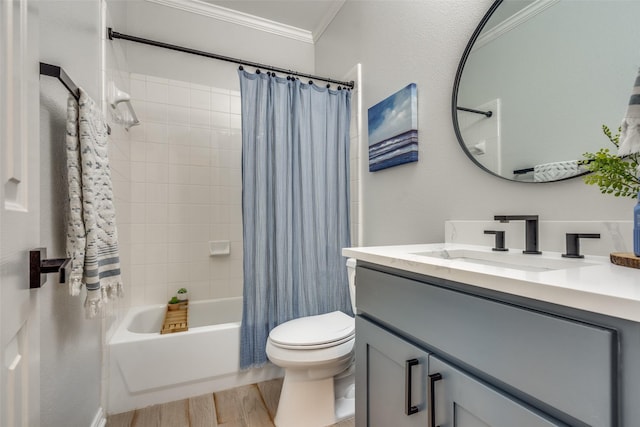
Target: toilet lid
column 324, row 330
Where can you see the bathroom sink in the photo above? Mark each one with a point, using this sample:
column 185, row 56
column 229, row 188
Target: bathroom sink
column 511, row 259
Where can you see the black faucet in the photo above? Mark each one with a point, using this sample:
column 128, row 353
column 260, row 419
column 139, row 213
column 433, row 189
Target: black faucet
column 531, row 230
column 573, row 243
column 499, row 241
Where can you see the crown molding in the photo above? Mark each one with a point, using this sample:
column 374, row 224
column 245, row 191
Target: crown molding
column 239, row 18
column 513, row 21
column 327, row 18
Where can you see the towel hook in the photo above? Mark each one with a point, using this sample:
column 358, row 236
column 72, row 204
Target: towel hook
column 39, row 266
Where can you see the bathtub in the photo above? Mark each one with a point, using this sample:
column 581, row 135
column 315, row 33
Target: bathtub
column 147, row 368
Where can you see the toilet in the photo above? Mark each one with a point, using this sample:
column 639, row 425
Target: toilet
column 317, row 354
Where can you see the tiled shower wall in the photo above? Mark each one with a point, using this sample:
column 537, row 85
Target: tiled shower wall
column 185, row 190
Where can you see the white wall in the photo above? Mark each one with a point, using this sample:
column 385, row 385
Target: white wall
column 115, row 72
column 410, row 41
column 70, row 344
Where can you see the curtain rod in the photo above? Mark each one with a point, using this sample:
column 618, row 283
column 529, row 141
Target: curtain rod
column 63, row 77
column 116, row 35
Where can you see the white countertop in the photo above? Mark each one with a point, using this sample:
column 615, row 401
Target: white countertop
column 594, row 284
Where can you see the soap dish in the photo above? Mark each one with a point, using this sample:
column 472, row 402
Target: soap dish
column 219, row 247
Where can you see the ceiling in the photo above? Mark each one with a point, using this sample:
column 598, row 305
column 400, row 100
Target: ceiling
column 310, row 15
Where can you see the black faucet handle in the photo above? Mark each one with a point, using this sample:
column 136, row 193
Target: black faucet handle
column 573, row 243
column 499, row 244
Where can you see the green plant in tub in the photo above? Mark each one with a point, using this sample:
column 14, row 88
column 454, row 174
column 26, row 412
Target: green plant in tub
column 182, row 290
column 174, row 300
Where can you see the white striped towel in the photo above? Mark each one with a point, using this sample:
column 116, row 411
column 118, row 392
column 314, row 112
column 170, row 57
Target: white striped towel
column 556, row 170
column 630, row 133
column 92, row 238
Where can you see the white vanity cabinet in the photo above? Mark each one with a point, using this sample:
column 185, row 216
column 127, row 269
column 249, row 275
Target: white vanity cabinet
column 493, row 362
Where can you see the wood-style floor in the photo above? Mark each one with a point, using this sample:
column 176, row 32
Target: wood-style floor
column 248, row 406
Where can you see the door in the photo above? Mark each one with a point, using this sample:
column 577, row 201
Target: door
column 19, row 214
column 390, row 379
column 459, row 400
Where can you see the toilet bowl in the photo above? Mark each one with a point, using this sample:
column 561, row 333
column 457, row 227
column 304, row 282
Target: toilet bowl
column 316, row 352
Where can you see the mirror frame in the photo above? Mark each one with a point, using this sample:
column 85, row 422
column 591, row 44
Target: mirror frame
column 454, row 100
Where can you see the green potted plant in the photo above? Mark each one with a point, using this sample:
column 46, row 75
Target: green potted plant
column 614, row 174
column 182, row 294
column 618, row 175
column 174, row 303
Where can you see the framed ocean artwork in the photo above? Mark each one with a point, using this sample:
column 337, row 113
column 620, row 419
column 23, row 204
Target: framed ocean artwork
column 393, row 130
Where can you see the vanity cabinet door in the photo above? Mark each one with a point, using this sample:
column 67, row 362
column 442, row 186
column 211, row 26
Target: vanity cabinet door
column 460, row 400
column 391, row 377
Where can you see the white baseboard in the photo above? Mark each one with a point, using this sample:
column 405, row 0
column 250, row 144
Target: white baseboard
column 99, row 420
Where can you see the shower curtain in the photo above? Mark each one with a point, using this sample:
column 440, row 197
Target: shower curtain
column 295, row 205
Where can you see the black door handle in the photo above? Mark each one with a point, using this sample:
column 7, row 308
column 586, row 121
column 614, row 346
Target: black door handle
column 433, row 378
column 408, row 367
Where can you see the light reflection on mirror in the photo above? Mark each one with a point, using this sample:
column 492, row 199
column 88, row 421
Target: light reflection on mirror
column 552, row 72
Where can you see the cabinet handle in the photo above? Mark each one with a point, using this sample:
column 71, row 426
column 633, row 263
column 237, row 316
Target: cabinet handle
column 432, row 398
column 408, row 408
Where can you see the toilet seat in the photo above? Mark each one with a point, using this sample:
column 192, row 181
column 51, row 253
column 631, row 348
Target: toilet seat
column 314, row 332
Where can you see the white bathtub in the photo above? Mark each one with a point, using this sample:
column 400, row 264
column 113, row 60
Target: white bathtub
column 148, row 368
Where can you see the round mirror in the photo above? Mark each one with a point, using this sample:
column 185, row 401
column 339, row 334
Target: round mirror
column 537, row 81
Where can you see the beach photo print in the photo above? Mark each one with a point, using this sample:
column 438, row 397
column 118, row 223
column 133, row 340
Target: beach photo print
column 393, row 130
